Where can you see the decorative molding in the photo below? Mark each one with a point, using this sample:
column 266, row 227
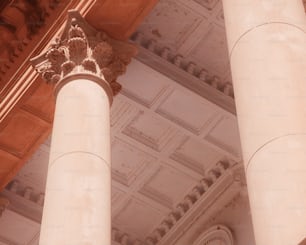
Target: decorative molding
column 143, row 99
column 187, row 161
column 124, row 171
column 191, row 121
column 197, row 163
column 120, row 110
column 25, row 192
column 32, row 203
column 199, row 192
column 82, row 49
column 182, row 63
column 20, row 81
column 156, row 196
column 193, row 206
column 20, row 21
column 4, row 202
column 24, row 200
column 122, row 238
column 17, row 82
column 34, row 13
column 218, row 234
column 186, row 73
column 29, row 203
column 143, row 134
column 165, row 178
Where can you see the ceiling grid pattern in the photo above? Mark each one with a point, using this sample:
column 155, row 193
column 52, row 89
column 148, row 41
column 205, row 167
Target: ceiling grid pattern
column 173, row 151
column 164, row 158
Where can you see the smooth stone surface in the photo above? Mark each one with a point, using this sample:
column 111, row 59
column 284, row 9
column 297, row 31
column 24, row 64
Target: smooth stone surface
column 77, row 201
column 267, row 40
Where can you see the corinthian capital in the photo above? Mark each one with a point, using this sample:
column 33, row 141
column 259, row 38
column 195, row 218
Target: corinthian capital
column 82, row 49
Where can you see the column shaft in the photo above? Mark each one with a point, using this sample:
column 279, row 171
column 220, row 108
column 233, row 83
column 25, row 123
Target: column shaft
column 266, row 42
column 77, row 200
column 84, row 64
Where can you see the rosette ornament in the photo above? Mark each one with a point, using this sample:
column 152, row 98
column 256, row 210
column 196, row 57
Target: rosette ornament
column 81, row 50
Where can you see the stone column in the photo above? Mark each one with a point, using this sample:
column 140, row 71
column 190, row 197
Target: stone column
column 83, row 64
column 267, row 46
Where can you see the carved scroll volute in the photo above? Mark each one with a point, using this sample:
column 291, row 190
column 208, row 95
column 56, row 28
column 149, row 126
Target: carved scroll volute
column 82, row 49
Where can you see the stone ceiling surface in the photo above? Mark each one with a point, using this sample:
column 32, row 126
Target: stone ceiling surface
column 176, row 157
column 174, row 152
column 194, row 30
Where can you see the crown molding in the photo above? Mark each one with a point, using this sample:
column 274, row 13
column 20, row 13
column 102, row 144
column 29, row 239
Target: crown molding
column 187, row 74
column 19, row 81
column 21, row 89
column 24, row 200
column 222, row 184
column 222, row 191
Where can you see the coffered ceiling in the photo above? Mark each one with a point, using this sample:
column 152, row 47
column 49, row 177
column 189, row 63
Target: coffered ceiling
column 193, row 29
column 174, row 153
column 175, row 142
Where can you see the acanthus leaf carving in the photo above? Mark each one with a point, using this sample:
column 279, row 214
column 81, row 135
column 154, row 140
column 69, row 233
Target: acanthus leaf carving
column 82, row 49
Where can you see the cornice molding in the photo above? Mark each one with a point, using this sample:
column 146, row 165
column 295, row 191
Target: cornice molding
column 18, row 81
column 21, row 86
column 209, row 189
column 216, row 181
column 21, row 21
column 24, row 200
column 186, row 73
column 122, row 238
column 22, row 82
column 29, row 203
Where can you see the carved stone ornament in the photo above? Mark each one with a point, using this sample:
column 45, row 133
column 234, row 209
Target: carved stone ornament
column 82, row 49
column 217, row 234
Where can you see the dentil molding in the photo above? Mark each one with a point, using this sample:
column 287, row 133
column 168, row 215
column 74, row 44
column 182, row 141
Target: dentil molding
column 186, row 73
column 29, row 202
column 199, row 200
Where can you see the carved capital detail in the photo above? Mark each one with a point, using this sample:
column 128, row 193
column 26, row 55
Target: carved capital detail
column 82, row 49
